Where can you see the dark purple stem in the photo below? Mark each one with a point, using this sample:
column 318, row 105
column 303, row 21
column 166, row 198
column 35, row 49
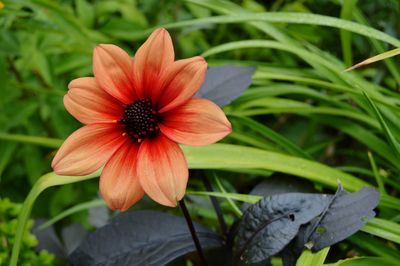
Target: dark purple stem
column 193, row 232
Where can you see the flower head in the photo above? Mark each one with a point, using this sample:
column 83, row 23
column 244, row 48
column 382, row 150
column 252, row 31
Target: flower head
column 135, row 112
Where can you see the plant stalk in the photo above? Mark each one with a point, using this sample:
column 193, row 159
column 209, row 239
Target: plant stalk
column 193, row 232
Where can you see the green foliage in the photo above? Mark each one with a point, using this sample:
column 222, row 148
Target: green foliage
column 8, row 226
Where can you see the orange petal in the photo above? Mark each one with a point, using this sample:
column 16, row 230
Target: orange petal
column 162, row 170
column 197, row 122
column 181, row 82
column 119, row 184
column 112, row 69
column 87, row 149
column 89, row 103
column 151, row 59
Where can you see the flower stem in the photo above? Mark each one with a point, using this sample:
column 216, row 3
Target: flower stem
column 193, row 232
column 42, row 141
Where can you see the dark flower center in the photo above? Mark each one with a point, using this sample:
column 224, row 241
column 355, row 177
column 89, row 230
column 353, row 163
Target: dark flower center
column 140, row 120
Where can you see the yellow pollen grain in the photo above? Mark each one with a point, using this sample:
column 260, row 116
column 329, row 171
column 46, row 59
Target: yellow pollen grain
column 1, row 5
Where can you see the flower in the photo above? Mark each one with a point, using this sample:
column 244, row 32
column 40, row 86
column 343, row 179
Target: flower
column 135, row 112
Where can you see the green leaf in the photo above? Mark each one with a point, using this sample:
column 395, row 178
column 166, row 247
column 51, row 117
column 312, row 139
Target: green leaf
column 34, row 163
column 378, row 178
column 395, row 145
column 6, row 151
column 286, row 144
column 42, row 141
column 375, row 246
column 383, row 228
column 313, row 59
column 62, row 16
column 85, row 12
column 225, row 156
column 364, row 261
column 345, row 36
column 379, row 47
column 376, row 58
column 77, row 208
column 41, row 65
column 315, row 259
column 268, row 75
column 234, row 196
column 294, row 18
column 362, row 134
column 234, row 206
column 46, row 181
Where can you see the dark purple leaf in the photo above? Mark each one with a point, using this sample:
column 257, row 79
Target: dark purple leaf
column 344, row 216
column 279, row 184
column 72, row 236
column 270, row 224
column 48, row 240
column 225, row 83
column 141, row 238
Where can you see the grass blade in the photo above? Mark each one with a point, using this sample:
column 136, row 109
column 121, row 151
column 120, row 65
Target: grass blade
column 294, row 18
column 385, row 128
column 345, row 36
column 316, row 259
column 376, row 58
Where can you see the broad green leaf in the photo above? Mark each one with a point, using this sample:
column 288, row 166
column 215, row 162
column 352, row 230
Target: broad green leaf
column 225, row 156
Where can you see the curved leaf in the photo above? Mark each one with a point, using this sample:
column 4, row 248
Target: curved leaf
column 345, row 215
column 365, row 261
column 270, row 224
column 294, row 18
column 141, row 238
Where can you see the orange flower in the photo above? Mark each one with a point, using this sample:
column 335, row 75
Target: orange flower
column 135, row 112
